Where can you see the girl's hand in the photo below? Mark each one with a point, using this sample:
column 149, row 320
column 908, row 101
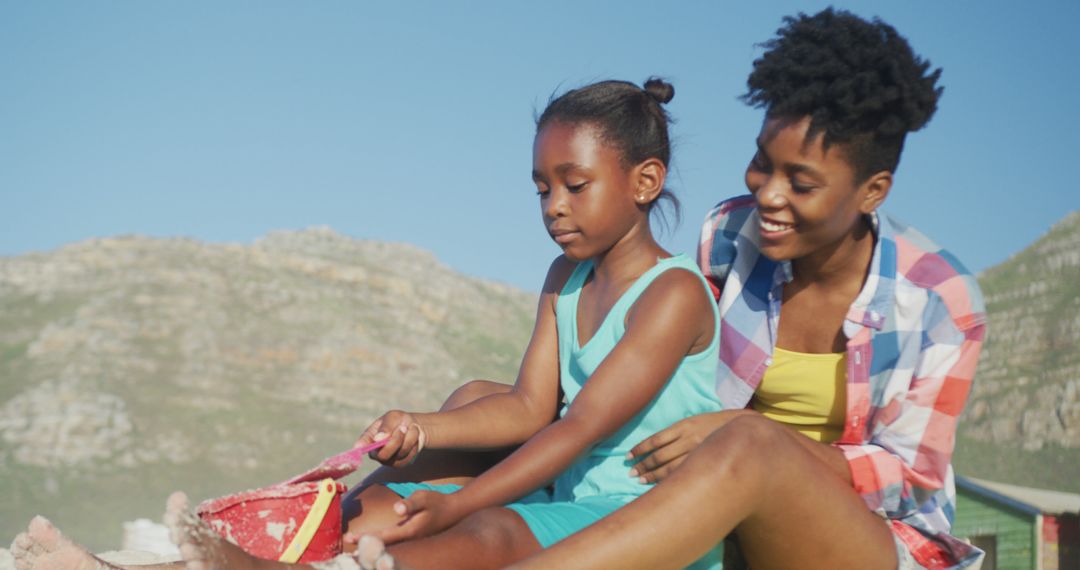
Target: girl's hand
column 424, row 513
column 406, row 438
column 661, row 453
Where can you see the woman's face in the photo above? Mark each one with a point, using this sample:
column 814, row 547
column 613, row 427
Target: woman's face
column 807, row 197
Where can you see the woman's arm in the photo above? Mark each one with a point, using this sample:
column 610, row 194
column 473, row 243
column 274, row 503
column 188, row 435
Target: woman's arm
column 907, row 458
column 665, row 322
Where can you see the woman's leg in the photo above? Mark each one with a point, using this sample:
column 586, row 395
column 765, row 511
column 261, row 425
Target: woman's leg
column 750, row 477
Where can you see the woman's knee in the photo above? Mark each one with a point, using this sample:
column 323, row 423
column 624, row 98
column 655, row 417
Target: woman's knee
column 748, row 438
column 473, row 390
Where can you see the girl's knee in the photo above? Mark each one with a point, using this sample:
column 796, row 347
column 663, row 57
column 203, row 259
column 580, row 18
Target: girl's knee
column 493, row 530
column 368, row 509
column 473, row 390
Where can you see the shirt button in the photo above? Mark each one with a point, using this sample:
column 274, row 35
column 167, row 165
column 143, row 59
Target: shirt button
column 768, row 362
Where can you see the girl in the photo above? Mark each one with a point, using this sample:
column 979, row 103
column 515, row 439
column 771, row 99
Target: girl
column 619, row 317
column 625, row 332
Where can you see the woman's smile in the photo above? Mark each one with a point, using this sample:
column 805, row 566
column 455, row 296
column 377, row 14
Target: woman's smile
column 773, row 230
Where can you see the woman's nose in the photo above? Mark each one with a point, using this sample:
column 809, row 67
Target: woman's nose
column 770, row 195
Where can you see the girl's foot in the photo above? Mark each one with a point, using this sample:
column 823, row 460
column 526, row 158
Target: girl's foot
column 42, row 547
column 372, row 555
column 201, row 547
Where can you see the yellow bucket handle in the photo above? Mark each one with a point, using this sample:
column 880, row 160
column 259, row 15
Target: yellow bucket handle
column 314, row 518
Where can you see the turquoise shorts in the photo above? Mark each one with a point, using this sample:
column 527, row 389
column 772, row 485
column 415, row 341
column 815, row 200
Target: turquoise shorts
column 548, row 521
column 551, row 521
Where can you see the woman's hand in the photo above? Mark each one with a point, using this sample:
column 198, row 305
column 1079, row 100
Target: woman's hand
column 424, row 513
column 406, row 438
column 661, row 453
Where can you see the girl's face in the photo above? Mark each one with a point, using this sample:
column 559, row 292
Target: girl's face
column 807, row 198
column 587, row 196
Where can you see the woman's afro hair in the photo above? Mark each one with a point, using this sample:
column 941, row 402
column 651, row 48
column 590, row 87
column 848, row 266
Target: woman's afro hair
column 858, row 81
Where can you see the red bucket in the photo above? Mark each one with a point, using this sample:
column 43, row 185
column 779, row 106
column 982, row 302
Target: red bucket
column 298, row 522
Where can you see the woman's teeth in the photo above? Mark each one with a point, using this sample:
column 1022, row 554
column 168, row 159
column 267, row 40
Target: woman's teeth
column 775, row 227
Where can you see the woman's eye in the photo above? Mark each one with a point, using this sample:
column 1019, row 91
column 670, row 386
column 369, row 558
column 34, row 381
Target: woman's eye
column 759, row 163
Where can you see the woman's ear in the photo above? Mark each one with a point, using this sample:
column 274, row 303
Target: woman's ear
column 648, row 180
column 875, row 189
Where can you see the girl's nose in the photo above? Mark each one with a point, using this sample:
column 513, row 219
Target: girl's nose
column 556, row 204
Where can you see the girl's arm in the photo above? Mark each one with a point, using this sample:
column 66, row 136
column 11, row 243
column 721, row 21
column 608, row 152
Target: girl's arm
column 670, row 317
column 494, row 421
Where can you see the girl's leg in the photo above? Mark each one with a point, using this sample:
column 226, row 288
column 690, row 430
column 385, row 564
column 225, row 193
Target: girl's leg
column 441, row 466
column 203, row 549
column 43, row 547
column 751, row 477
column 491, row 538
column 367, row 507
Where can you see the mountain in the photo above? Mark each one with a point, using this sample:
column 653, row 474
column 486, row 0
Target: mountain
column 1022, row 422
column 130, row 366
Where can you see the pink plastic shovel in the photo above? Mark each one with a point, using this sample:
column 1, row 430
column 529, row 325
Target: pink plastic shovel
column 337, row 466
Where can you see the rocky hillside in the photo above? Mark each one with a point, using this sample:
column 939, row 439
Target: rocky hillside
column 1022, row 424
column 130, row 367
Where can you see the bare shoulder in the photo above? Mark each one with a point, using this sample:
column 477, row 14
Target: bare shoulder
column 677, row 296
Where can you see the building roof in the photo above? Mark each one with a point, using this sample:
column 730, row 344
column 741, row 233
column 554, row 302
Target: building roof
column 1027, row 499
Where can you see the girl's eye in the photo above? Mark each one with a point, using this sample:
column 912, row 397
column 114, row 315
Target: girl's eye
column 575, row 188
column 801, row 188
column 541, row 190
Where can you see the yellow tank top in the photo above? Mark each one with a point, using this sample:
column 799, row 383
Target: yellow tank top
column 806, row 392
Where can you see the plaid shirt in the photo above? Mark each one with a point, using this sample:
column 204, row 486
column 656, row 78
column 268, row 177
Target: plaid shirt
column 914, row 334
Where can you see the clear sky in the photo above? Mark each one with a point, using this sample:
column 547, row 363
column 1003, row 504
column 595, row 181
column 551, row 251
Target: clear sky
column 413, row 121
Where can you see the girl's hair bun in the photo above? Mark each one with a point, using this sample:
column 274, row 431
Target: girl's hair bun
column 660, row 90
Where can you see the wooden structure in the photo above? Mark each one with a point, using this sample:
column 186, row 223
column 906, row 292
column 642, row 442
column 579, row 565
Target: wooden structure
column 1019, row 527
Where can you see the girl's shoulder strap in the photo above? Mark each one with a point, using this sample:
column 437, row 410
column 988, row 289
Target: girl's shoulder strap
column 679, row 261
column 577, row 278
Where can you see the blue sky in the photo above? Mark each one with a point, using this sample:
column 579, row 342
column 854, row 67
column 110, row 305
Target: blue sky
column 413, row 121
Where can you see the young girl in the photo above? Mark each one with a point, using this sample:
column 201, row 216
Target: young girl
column 625, row 332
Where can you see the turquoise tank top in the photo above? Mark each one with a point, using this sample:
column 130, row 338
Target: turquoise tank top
column 689, row 391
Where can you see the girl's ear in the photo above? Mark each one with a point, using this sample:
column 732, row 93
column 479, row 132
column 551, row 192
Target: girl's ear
column 875, row 189
column 648, row 178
